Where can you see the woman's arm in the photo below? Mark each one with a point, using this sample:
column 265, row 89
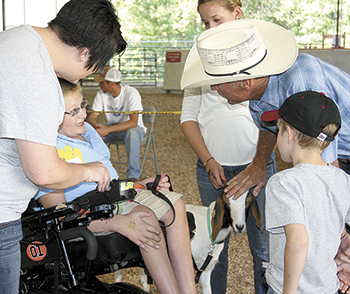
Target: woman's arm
column 53, row 198
column 44, row 168
column 190, row 128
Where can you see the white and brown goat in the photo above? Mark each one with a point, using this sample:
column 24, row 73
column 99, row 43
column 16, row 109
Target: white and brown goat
column 212, row 225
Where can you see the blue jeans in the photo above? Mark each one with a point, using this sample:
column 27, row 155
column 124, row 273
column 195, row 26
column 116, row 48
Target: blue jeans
column 258, row 243
column 271, row 291
column 132, row 139
column 10, row 256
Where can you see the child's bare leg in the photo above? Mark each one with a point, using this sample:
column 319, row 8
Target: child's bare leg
column 180, row 248
column 157, row 261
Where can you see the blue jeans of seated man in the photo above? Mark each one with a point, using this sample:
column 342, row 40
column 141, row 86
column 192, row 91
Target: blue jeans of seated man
column 132, row 139
column 10, row 256
column 259, row 243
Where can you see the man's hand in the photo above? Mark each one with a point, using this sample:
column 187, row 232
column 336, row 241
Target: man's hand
column 343, row 261
column 216, row 174
column 253, row 175
column 344, row 277
column 102, row 130
column 343, row 255
column 98, row 173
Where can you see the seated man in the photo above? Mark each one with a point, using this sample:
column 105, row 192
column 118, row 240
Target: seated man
column 120, row 126
column 78, row 142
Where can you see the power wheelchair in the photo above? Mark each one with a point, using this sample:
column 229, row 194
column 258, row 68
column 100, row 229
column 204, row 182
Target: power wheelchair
column 60, row 255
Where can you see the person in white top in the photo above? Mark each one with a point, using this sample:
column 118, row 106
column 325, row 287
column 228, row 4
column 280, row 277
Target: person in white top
column 83, row 36
column 120, row 126
column 224, row 137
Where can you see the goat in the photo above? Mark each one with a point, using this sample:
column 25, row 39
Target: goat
column 213, row 224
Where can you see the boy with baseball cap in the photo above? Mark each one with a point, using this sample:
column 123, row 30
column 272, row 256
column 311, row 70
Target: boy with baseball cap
column 307, row 205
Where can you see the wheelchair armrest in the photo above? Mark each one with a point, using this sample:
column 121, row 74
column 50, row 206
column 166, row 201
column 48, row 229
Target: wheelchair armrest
column 87, row 235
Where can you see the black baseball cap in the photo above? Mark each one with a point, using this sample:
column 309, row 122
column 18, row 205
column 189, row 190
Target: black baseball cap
column 308, row 112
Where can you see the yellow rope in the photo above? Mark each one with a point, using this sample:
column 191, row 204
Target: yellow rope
column 139, row 112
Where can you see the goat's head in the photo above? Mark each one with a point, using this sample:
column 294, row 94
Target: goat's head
column 229, row 213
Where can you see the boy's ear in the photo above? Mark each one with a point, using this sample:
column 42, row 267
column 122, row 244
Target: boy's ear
column 291, row 134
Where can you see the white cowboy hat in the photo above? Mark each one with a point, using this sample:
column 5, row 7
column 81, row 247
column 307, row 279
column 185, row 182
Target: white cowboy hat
column 239, row 50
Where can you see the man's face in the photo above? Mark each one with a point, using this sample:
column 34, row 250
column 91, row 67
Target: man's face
column 233, row 92
column 104, row 86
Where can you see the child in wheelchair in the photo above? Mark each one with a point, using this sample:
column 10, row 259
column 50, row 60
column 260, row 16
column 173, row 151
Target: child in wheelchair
column 78, row 142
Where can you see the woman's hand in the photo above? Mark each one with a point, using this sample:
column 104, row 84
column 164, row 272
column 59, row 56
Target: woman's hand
column 216, row 173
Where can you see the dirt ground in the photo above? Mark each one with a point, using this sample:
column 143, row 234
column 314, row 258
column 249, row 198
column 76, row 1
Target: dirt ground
column 176, row 158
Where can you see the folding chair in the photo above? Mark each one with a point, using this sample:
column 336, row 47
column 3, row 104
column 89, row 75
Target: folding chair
column 341, row 38
column 147, row 140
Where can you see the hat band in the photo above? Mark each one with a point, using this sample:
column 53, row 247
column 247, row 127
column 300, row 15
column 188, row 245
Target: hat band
column 242, row 71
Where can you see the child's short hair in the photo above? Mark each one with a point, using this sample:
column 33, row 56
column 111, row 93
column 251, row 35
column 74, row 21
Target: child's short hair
column 68, row 87
column 307, row 142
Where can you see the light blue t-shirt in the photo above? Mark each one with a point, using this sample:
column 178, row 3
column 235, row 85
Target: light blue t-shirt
column 77, row 151
column 310, row 73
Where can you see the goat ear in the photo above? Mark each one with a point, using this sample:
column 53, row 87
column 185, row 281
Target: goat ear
column 254, row 208
column 218, row 215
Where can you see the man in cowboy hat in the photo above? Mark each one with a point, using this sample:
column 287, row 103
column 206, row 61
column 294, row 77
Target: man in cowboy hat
column 126, row 127
column 258, row 61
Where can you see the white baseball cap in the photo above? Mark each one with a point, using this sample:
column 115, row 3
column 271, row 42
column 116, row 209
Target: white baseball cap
column 110, row 74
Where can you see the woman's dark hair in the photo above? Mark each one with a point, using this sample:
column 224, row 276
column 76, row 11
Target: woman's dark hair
column 91, row 24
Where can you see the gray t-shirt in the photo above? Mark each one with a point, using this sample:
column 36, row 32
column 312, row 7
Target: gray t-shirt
column 317, row 197
column 31, row 108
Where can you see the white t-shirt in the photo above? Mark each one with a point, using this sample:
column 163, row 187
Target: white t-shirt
column 31, row 109
column 228, row 130
column 317, row 197
column 129, row 99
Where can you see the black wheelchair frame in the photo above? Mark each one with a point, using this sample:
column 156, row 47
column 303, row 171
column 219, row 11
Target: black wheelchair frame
column 60, row 255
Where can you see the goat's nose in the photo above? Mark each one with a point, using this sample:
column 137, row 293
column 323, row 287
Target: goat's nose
column 239, row 228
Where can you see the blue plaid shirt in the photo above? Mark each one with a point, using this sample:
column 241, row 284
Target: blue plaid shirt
column 310, row 73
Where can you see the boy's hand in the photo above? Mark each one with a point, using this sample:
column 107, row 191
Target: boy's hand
column 163, row 184
column 138, row 230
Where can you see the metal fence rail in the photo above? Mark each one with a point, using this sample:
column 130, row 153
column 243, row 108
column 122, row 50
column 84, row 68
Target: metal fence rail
column 139, row 66
column 142, row 63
